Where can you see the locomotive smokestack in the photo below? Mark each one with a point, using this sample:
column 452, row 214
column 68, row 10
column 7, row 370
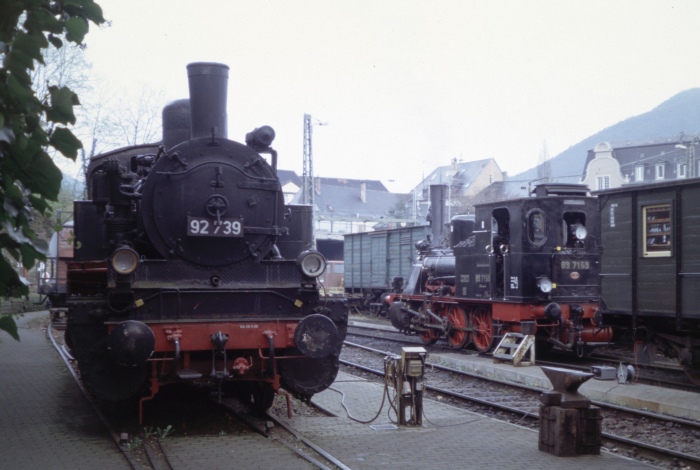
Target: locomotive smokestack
column 437, row 213
column 208, row 88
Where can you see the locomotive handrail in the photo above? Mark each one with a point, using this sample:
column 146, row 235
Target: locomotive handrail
column 247, row 174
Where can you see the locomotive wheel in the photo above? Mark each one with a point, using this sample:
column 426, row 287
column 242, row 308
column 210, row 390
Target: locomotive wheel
column 483, row 329
column 457, row 321
column 429, row 337
column 263, row 396
column 260, row 395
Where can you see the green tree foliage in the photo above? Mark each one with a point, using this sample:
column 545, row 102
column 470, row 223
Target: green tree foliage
column 32, row 125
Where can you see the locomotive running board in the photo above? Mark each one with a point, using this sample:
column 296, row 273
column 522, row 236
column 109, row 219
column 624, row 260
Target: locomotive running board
column 513, row 348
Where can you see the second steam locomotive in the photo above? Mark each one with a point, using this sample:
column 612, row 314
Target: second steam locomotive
column 526, row 265
column 189, row 267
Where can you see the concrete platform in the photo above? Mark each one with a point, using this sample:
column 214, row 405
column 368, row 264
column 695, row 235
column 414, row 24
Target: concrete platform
column 676, row 403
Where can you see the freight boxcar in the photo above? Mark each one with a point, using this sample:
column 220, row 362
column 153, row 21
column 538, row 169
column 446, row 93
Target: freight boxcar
column 374, row 259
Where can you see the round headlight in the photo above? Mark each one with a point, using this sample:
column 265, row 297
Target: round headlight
column 125, row 260
column 581, row 232
column 545, row 285
column 312, row 263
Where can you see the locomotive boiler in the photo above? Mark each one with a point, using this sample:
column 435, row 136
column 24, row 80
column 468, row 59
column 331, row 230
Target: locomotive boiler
column 189, row 267
column 527, row 265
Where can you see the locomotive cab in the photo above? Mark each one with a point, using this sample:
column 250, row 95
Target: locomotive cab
column 531, row 249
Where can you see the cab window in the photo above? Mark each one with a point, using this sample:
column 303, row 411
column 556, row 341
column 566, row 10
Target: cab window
column 500, row 228
column 574, row 229
column 537, row 227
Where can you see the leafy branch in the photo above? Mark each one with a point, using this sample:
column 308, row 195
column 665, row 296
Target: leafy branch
column 30, row 127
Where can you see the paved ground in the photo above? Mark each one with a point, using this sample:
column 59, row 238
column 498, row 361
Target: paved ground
column 449, row 438
column 45, row 421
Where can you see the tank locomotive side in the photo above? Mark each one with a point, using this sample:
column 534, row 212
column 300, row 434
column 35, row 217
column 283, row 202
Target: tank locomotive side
column 525, row 265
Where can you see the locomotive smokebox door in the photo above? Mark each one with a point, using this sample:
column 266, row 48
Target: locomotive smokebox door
column 316, row 336
column 212, row 206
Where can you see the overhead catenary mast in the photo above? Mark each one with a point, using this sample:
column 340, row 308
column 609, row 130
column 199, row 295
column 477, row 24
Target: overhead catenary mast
column 308, row 170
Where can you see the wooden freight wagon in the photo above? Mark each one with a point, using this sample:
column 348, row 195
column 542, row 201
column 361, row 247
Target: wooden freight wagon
column 373, row 259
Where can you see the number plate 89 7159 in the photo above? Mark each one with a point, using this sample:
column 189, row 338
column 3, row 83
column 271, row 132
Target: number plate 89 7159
column 204, row 227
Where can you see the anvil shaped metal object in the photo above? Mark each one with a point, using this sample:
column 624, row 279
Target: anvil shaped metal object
column 566, row 382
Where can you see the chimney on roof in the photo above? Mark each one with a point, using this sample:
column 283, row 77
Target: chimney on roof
column 317, row 186
column 363, row 192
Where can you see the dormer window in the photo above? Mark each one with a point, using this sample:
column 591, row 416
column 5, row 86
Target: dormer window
column 660, row 173
column 639, row 172
column 681, row 170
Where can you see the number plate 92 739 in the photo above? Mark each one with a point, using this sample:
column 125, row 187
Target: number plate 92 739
column 204, row 227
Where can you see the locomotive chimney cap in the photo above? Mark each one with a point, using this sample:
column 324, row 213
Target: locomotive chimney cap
column 207, row 68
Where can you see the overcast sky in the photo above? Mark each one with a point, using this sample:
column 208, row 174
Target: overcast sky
column 406, row 85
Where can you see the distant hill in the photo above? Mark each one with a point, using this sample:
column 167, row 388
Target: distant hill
column 680, row 113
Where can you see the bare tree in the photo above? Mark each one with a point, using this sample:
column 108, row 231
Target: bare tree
column 137, row 122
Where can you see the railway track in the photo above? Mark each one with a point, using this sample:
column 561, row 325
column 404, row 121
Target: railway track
column 151, row 447
column 627, row 430
column 663, row 374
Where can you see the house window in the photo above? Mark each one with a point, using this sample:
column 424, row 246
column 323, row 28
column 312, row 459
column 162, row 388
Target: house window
column 603, row 182
column 657, row 230
column 660, row 170
column 681, row 170
column 639, row 173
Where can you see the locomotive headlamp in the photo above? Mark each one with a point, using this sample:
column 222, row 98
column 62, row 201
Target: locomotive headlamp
column 545, row 285
column 312, row 263
column 125, row 260
column 580, row 232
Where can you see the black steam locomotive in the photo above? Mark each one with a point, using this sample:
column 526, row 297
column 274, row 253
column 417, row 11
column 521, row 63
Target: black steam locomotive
column 526, row 265
column 189, row 267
